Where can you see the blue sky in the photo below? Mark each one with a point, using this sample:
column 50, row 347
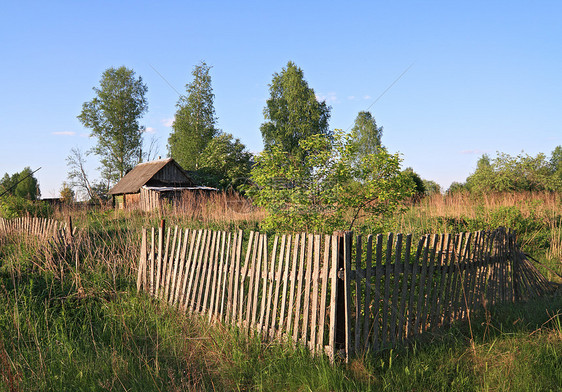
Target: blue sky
column 485, row 75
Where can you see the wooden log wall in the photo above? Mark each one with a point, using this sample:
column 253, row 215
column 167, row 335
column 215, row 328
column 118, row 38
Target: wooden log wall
column 337, row 295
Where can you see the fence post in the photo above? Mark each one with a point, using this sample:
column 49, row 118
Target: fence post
column 343, row 295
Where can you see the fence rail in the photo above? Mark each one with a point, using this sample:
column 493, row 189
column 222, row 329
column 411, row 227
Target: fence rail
column 336, row 294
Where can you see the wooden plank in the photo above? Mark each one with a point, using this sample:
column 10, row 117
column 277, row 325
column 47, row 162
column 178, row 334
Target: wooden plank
column 358, row 324
column 142, row 264
column 421, row 287
column 271, row 278
column 170, row 263
column 293, row 278
column 181, row 269
column 206, row 272
column 165, row 265
column 347, row 288
column 437, row 319
column 195, row 270
column 386, row 299
column 376, row 338
column 264, row 275
column 282, row 315
column 235, row 278
column 211, row 268
column 298, row 300
column 430, row 284
column 240, row 282
column 406, row 270
column 152, row 287
column 216, row 268
column 176, row 261
column 314, row 293
column 324, row 293
column 251, row 245
column 367, row 304
column 449, row 270
column 277, row 281
column 433, row 313
column 394, row 301
column 254, row 282
column 188, row 269
column 307, row 280
column 159, row 260
column 334, row 282
column 225, row 263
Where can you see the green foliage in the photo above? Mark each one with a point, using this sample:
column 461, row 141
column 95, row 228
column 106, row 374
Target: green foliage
column 66, row 194
column 15, row 206
column 431, row 187
column 225, row 162
column 515, row 174
column 113, row 118
column 366, row 135
column 419, row 186
column 292, row 112
column 22, row 184
column 329, row 190
column 194, row 124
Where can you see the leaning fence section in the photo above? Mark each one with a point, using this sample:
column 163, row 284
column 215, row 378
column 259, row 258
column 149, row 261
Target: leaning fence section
column 337, row 294
column 40, row 227
column 282, row 288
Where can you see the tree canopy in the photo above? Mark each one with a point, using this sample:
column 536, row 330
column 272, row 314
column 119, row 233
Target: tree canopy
column 194, row 123
column 328, row 190
column 366, row 135
column 292, row 112
column 22, row 184
column 113, row 117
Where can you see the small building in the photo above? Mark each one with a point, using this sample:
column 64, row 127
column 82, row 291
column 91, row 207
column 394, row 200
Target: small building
column 148, row 184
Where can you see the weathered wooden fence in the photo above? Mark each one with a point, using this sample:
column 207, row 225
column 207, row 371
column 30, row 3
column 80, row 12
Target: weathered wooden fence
column 39, row 227
column 340, row 295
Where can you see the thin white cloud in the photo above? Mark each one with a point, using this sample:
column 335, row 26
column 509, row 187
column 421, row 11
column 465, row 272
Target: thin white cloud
column 150, row 130
column 330, row 97
column 167, row 122
column 64, row 133
column 351, row 97
column 367, row 97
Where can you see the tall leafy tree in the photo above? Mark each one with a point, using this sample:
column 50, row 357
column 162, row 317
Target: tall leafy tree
column 292, row 112
column 113, row 117
column 225, row 162
column 366, row 135
column 194, row 124
column 22, row 184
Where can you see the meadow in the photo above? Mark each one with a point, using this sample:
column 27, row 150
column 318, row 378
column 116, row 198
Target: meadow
column 73, row 320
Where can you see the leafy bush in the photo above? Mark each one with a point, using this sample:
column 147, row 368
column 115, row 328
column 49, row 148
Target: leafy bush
column 14, row 207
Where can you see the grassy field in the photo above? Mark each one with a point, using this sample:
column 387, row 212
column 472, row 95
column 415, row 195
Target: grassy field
column 73, row 321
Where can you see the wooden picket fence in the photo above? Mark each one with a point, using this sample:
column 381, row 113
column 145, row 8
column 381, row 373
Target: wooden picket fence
column 38, row 227
column 336, row 294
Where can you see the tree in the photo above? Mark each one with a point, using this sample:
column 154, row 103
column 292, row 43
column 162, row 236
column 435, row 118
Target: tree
column 321, row 193
column 419, row 186
column 225, row 162
column 194, row 124
column 366, row 135
column 77, row 175
column 292, row 112
column 22, row 184
column 113, row 118
column 66, row 194
column 431, row 187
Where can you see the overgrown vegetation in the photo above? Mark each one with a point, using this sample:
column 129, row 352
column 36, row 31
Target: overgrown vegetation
column 72, row 320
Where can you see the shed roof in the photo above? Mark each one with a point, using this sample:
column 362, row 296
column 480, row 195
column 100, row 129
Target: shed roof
column 141, row 174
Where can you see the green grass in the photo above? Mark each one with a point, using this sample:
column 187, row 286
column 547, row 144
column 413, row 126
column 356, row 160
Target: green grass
column 82, row 326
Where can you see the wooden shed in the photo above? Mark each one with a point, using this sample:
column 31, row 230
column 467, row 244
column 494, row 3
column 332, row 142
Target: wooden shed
column 149, row 183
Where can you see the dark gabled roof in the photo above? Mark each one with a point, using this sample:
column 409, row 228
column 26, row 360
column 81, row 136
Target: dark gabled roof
column 141, row 174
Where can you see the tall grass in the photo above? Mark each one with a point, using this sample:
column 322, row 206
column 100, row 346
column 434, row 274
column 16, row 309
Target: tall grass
column 70, row 319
